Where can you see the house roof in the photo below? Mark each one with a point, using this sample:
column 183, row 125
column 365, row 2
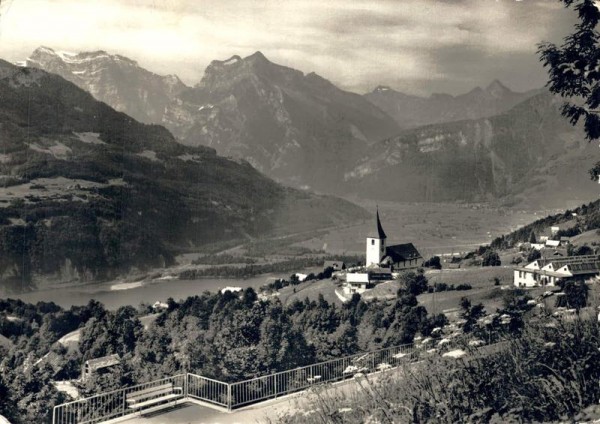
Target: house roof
column 402, row 252
column 103, row 362
column 577, row 265
column 584, row 268
column 380, row 234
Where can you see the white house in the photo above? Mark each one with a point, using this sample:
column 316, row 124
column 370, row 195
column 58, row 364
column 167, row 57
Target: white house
column 552, row 243
column 549, row 271
column 359, row 282
column 231, row 289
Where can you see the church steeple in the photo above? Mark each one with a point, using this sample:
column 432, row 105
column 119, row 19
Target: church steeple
column 376, row 244
column 380, row 231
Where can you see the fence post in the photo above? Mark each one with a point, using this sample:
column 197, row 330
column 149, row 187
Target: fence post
column 54, row 415
column 229, row 396
column 275, row 385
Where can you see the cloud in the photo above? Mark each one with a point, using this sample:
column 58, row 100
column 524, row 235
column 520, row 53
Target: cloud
column 356, row 44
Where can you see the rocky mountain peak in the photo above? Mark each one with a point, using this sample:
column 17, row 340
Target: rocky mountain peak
column 113, row 79
column 44, row 54
column 497, row 89
column 257, row 57
column 224, row 73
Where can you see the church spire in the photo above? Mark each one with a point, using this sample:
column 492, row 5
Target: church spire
column 380, row 231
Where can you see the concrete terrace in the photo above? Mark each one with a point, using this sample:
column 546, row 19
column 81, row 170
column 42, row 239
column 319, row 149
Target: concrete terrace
column 196, row 412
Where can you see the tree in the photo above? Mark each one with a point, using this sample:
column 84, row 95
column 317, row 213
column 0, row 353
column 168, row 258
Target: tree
column 434, row 262
column 532, row 238
column 413, row 283
column 583, row 250
column 491, row 258
column 470, row 313
column 574, row 70
column 533, row 255
column 575, row 294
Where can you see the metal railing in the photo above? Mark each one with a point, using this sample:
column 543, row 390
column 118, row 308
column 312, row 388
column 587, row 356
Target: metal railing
column 113, row 404
column 208, row 390
column 108, row 405
column 290, row 381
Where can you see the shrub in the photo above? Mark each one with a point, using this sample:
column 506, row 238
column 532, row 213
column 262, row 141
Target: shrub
column 490, row 258
column 434, row 262
column 548, row 374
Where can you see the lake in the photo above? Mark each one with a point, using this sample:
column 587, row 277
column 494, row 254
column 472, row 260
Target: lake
column 114, row 295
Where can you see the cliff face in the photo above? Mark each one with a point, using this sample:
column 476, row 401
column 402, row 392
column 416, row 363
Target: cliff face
column 527, row 150
column 299, row 129
column 115, row 80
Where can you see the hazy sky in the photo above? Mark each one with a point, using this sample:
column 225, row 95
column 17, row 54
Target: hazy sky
column 418, row 46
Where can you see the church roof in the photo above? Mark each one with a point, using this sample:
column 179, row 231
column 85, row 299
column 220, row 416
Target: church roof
column 380, row 234
column 402, row 252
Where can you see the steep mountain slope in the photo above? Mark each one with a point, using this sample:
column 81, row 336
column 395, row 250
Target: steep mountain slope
column 87, row 192
column 413, row 111
column 528, row 154
column 113, row 79
column 299, row 129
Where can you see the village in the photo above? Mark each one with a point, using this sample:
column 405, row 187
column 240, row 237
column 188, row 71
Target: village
column 537, row 288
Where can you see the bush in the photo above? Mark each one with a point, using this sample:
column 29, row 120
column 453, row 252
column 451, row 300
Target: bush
column 490, row 258
column 434, row 262
column 533, row 255
column 550, row 373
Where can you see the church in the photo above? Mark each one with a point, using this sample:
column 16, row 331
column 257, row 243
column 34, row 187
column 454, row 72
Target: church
column 397, row 257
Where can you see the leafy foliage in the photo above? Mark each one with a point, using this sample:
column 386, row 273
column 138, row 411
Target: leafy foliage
column 547, row 374
column 491, row 258
column 574, row 70
column 228, row 336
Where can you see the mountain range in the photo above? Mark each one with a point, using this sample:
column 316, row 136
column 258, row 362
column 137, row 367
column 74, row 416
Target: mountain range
column 414, row 111
column 296, row 128
column 87, row 192
column 303, row 131
column 529, row 155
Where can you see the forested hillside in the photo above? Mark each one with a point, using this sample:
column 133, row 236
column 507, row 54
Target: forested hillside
column 87, row 192
column 227, row 336
column 584, row 218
